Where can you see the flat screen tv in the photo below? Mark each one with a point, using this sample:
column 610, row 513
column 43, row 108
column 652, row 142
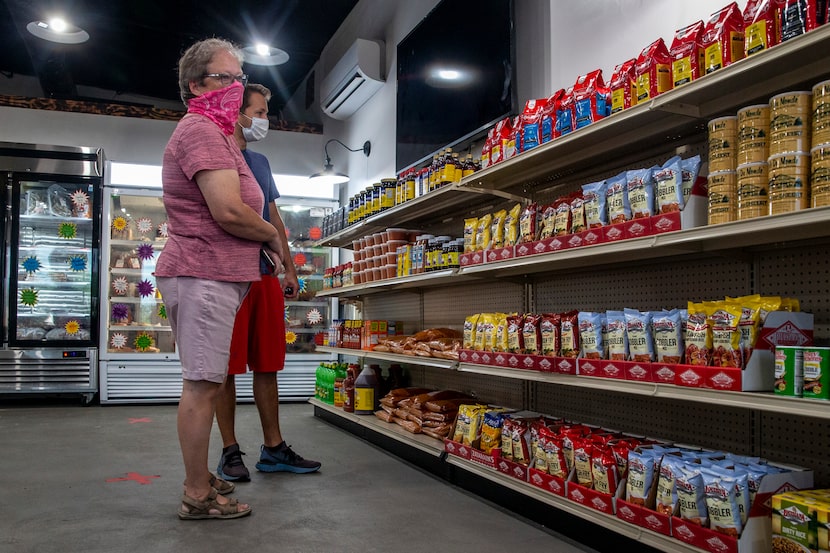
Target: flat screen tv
column 456, row 75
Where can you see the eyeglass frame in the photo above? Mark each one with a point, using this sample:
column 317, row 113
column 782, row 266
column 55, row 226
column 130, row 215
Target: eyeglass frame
column 226, row 79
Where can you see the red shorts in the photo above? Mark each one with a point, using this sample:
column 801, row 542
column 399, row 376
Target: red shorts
column 258, row 340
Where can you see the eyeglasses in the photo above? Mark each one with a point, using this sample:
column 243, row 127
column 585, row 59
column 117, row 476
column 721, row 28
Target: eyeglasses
column 226, row 79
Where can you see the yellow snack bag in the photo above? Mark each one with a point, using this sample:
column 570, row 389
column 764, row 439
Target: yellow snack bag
column 769, row 304
column 470, row 325
column 750, row 322
column 470, row 230
column 502, row 335
column 483, row 237
column 497, row 229
column 698, row 337
column 725, row 319
column 484, row 320
column 491, row 332
column 511, row 226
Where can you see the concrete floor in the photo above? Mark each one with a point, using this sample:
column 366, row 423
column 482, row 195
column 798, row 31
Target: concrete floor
column 63, row 465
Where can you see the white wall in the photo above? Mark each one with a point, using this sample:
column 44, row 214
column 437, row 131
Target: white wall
column 599, row 34
column 142, row 141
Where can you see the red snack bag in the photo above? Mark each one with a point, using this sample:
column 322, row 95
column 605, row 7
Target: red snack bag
column 589, row 99
column 577, row 213
column 548, row 116
column 487, row 148
column 551, row 339
column 569, row 435
column 583, row 450
column 562, row 217
column 531, row 124
column 569, row 332
column 623, row 86
column 509, row 137
column 548, row 221
column 515, row 337
column 653, row 71
column 687, row 54
column 529, row 223
column 564, row 114
column 761, row 26
column 496, row 153
column 604, row 470
column 532, row 334
column 620, row 449
column 520, row 437
column 723, row 38
column 550, row 455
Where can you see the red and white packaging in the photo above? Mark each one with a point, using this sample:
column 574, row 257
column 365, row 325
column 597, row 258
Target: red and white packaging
column 530, row 123
column 548, row 116
column 486, row 148
column 687, row 54
column 623, row 86
column 564, row 114
column 653, row 71
column 762, row 25
column 723, row 38
column 510, row 146
column 589, row 99
column 502, row 135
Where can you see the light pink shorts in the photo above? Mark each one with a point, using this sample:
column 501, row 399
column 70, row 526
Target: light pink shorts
column 201, row 313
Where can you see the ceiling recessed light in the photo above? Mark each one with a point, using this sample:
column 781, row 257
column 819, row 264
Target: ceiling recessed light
column 262, row 54
column 58, row 30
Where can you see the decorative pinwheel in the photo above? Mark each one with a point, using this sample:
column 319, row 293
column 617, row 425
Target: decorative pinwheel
column 118, row 340
column 120, row 285
column 120, row 311
column 119, row 223
column 313, row 316
column 77, row 263
column 28, row 297
column 31, row 264
column 145, row 288
column 67, row 230
column 144, row 225
column 71, row 327
column 145, row 252
column 143, row 341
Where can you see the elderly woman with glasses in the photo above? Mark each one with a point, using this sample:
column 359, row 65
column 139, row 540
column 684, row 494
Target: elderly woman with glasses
column 216, row 238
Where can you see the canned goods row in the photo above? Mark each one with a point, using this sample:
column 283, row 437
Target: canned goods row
column 802, row 371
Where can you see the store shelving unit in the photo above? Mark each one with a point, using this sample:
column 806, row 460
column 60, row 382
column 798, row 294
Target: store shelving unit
column 787, row 255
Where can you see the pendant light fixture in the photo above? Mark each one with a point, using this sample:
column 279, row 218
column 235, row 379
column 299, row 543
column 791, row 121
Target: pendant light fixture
column 328, row 176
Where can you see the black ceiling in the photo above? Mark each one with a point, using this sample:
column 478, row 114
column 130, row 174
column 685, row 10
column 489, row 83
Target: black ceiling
column 134, row 45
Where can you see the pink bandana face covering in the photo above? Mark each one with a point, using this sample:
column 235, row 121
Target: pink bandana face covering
column 220, row 106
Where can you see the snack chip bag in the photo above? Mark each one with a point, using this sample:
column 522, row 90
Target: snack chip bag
column 722, row 502
column 569, row 333
column 604, row 470
column 689, row 169
column 515, row 337
column 638, row 329
column 670, row 467
column 470, row 233
column 690, row 495
column 725, row 318
column 616, row 335
column 511, row 226
column 562, row 217
column 529, row 223
column 548, row 222
column 641, row 464
column 550, row 331
column 483, row 237
column 596, row 214
column 531, row 333
column 616, row 195
column 590, row 334
column 484, row 329
column 470, row 327
column 491, row 431
column 583, row 450
column 497, row 229
column 577, row 213
column 668, row 184
column 640, row 191
column 698, row 338
column 667, row 327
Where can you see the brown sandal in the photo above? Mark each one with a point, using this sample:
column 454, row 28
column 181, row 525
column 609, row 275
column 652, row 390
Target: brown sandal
column 221, row 486
column 210, row 508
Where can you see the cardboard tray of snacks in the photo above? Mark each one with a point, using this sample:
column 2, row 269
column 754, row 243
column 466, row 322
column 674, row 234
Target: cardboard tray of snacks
column 602, row 502
column 644, row 517
column 547, row 482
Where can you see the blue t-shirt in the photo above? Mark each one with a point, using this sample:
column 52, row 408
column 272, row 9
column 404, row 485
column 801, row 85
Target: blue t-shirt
column 262, row 173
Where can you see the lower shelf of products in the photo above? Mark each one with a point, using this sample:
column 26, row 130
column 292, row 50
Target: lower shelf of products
column 435, row 447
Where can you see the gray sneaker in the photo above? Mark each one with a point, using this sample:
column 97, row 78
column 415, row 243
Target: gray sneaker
column 283, row 459
column 231, row 467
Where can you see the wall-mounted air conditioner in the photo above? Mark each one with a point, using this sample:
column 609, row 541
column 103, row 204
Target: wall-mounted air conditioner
column 354, row 79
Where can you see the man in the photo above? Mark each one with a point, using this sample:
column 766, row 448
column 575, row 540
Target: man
column 258, row 340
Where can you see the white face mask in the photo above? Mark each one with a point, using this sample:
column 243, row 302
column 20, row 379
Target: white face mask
column 257, row 131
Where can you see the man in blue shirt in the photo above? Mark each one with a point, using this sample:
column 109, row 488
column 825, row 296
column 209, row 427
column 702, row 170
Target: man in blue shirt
column 258, row 341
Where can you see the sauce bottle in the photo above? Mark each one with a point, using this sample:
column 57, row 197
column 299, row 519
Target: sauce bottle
column 366, row 391
column 348, row 389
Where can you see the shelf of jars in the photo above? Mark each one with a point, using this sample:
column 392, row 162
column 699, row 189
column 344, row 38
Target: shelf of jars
column 748, row 400
column 434, row 278
column 663, row 120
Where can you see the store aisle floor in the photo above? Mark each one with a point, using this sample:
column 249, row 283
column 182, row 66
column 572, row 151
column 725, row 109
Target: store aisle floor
column 108, row 479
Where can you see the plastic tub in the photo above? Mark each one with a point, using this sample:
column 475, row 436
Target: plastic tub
column 391, row 258
column 393, row 245
column 377, row 273
column 397, row 233
column 390, row 271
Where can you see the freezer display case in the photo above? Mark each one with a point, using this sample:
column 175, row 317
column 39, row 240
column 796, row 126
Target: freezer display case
column 139, row 360
column 50, row 327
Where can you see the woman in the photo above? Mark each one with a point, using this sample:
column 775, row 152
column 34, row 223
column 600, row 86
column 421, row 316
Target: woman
column 216, row 233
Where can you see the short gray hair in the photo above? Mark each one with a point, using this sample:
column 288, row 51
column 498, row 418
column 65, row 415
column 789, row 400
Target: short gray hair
column 193, row 63
column 254, row 88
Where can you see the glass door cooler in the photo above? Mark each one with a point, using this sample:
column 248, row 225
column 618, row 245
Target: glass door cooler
column 50, row 291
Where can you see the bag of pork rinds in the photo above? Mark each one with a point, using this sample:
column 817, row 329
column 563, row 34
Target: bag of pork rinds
column 687, row 54
column 723, row 38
